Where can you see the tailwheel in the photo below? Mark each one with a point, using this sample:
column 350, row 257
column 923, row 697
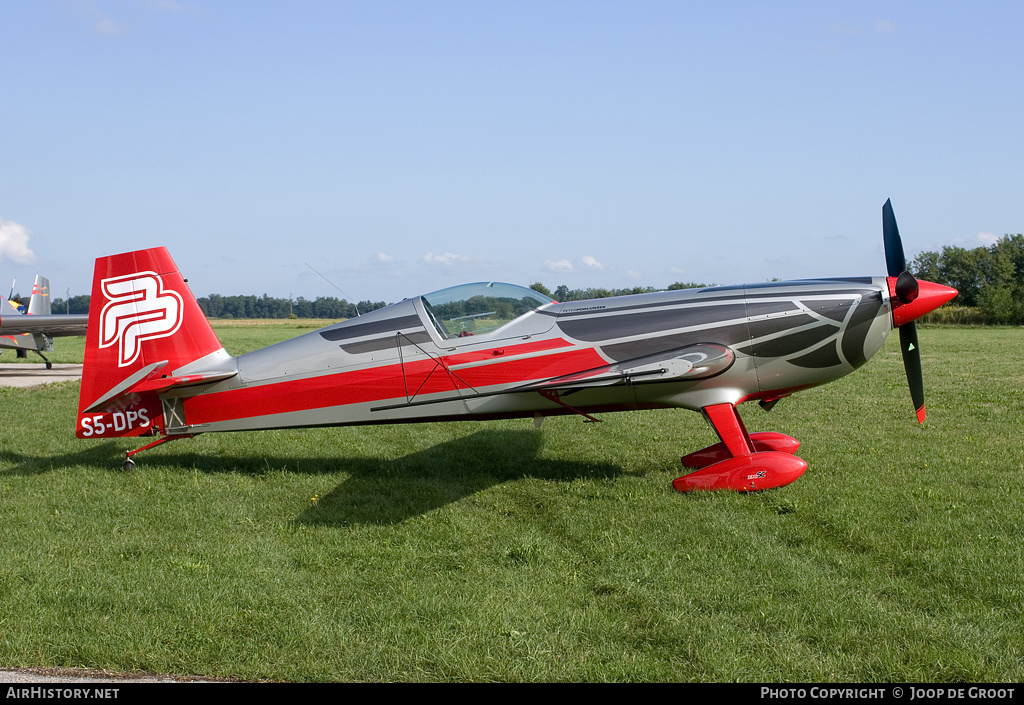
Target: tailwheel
column 128, row 463
column 742, row 462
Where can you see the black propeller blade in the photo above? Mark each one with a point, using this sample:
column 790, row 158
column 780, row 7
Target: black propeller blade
column 912, row 365
column 895, row 262
column 907, row 290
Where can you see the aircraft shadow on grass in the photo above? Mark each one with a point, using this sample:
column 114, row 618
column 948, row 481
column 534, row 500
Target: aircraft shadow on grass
column 376, row 490
column 12, row 463
column 390, row 491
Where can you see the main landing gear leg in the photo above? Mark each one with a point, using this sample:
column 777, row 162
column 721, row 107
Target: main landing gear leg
column 742, row 461
column 129, row 463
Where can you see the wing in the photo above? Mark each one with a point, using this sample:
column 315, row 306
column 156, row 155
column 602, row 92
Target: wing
column 689, row 363
column 52, row 325
column 693, row 362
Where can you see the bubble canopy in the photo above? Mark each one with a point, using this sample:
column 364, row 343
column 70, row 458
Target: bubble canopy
column 472, row 309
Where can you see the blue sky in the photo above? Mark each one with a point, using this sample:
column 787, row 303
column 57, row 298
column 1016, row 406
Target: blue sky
column 394, row 148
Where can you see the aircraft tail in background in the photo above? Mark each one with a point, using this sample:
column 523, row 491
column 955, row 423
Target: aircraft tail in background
column 25, row 335
column 39, row 303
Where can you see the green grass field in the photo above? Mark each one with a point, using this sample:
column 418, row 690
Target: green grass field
column 499, row 552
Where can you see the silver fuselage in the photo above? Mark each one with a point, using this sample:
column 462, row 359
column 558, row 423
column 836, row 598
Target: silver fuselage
column 395, row 365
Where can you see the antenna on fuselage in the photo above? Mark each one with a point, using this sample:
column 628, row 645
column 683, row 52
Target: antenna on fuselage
column 336, row 287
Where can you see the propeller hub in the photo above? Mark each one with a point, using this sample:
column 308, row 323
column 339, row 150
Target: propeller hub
column 906, row 288
column 929, row 297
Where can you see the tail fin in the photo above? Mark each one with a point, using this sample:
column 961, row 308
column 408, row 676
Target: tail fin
column 146, row 335
column 39, row 303
column 8, row 307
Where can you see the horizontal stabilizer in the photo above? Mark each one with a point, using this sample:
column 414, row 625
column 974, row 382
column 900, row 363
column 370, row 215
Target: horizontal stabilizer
column 149, row 381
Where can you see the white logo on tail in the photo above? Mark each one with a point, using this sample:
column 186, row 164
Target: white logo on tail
column 138, row 308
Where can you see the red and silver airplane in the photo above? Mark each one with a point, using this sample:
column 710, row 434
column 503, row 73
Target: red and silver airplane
column 35, row 331
column 154, row 367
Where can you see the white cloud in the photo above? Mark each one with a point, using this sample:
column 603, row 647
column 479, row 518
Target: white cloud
column 885, row 26
column 979, row 240
column 14, row 243
column 447, row 259
column 376, row 263
column 562, row 265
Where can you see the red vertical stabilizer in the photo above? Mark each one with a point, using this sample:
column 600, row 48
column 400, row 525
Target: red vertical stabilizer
column 144, row 324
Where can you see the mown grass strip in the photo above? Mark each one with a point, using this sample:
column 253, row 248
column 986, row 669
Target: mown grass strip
column 495, row 551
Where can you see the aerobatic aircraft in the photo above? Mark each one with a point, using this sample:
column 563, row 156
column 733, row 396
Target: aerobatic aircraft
column 154, row 367
column 35, row 331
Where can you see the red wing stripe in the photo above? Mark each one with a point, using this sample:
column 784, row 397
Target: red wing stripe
column 382, row 383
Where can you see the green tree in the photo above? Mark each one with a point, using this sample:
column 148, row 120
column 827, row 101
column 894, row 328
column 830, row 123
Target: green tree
column 74, row 304
column 537, row 286
column 990, row 279
column 687, row 285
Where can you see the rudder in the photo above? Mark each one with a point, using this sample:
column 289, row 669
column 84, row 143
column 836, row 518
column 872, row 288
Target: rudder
column 144, row 327
column 39, row 302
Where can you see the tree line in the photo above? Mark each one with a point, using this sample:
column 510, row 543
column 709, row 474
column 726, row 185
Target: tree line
column 990, row 280
column 219, row 306
column 329, row 307
column 563, row 293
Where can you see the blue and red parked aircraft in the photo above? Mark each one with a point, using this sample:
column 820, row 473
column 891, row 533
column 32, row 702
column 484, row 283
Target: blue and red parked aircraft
column 154, row 367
